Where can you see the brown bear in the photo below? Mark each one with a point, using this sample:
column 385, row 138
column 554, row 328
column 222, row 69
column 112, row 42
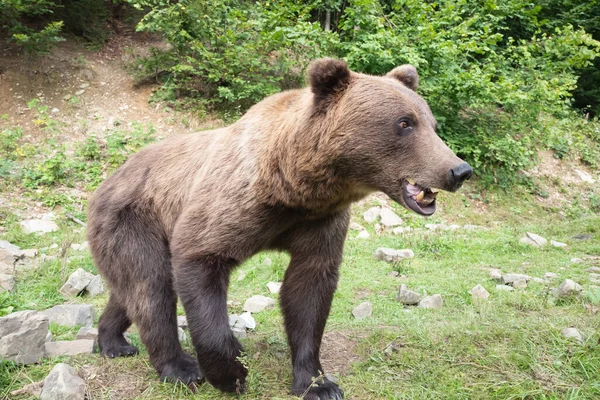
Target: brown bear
column 181, row 214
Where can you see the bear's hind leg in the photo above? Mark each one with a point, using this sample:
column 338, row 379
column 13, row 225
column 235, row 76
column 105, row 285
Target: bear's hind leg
column 113, row 323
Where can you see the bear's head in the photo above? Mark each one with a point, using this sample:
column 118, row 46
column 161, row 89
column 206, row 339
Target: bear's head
column 382, row 134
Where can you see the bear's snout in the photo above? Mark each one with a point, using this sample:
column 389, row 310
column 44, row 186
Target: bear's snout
column 459, row 174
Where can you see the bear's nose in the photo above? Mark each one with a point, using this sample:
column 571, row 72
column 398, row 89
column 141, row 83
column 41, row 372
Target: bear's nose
column 460, row 173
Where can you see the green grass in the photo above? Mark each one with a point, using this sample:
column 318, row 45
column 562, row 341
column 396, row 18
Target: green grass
column 506, row 347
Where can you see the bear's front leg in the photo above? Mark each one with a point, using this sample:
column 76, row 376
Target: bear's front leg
column 306, row 295
column 202, row 287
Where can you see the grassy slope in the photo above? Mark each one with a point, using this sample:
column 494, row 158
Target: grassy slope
column 506, row 347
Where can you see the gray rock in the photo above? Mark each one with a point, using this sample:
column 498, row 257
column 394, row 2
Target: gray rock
column 505, row 288
column 595, row 270
column 363, row 310
column 408, row 297
column 372, row 214
column 392, row 255
column 572, row 333
column 274, row 287
column 63, row 383
column 239, row 333
column 520, row 284
column 567, row 288
column 30, row 253
column 259, row 303
column 584, row 176
column 84, row 86
column 394, row 274
column 248, row 320
column 182, row 321
column 479, row 292
column 363, row 235
column 558, row 244
column 77, row 281
column 79, row 92
column 539, row 280
column 70, row 347
column 401, row 230
column 38, row 226
column 496, row 275
column 435, row 301
column 510, row 278
column 22, row 337
column 7, row 282
column 533, row 240
column 181, row 334
column 9, row 253
column 389, row 218
column 49, row 337
column 71, row 314
column 95, row 287
column 356, row 227
column 576, row 260
column 550, row 275
column 86, row 332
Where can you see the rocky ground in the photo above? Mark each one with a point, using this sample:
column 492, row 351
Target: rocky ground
column 496, row 296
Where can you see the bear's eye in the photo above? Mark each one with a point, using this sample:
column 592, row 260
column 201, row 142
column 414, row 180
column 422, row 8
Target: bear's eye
column 404, row 127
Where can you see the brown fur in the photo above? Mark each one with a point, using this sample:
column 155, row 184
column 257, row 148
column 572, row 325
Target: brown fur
column 180, row 215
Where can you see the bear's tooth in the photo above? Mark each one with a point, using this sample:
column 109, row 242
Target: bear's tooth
column 420, row 196
column 411, row 181
column 435, row 190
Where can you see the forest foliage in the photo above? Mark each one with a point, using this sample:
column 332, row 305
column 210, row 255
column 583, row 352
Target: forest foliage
column 500, row 76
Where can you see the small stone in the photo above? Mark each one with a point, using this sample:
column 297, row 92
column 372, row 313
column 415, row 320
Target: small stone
column 55, row 110
column 182, row 321
column 567, row 288
column 239, row 333
column 63, row 383
column 88, row 333
column 69, row 347
column 400, row 230
column 67, row 97
column 71, row 314
column 356, row 227
column 84, row 86
column 77, row 281
column 9, row 253
column 259, row 303
column 372, row 214
column 479, row 292
column 433, row 227
column 363, row 310
column 95, row 287
column 393, row 255
column 520, row 284
column 558, row 244
column 79, row 92
column 496, row 275
column 248, row 320
column 550, row 275
column 583, row 236
column 595, row 270
column 181, row 334
column 274, row 287
column 505, row 288
column 533, row 240
column 572, row 333
column 510, row 278
column 436, row 302
column 378, row 228
column 241, row 275
column 38, row 226
column 23, row 336
column 7, row 283
column 539, row 280
column 576, row 260
column 408, row 297
column 389, row 218
column 363, row 235
column 584, row 176
column 394, row 274
column 267, row 261
column 30, row 253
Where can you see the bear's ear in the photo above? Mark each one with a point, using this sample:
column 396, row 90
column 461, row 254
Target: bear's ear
column 407, row 74
column 328, row 76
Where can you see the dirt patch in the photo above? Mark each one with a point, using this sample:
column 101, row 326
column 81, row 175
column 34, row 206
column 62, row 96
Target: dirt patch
column 338, row 352
column 107, row 380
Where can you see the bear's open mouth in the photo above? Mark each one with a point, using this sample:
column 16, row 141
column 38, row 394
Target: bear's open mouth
column 419, row 199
